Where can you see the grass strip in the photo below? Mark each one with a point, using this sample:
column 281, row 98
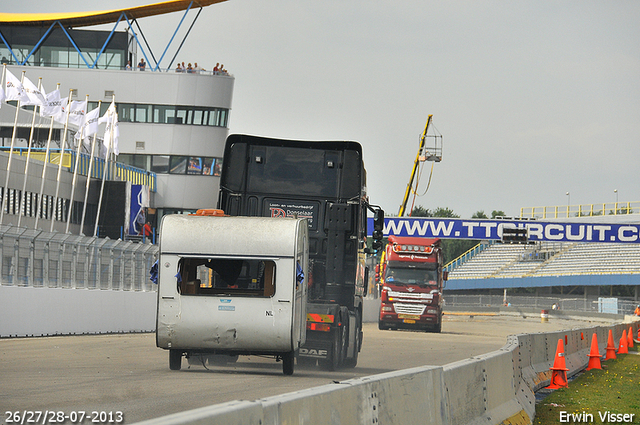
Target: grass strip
column 609, row 395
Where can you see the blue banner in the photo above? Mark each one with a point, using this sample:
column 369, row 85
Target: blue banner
column 137, row 215
column 455, row 228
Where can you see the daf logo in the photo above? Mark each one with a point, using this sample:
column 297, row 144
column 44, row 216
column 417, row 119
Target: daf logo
column 411, row 289
column 313, row 352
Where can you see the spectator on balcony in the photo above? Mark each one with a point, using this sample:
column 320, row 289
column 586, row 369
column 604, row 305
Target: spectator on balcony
column 216, row 69
column 128, row 67
column 178, row 68
column 142, row 65
column 189, row 69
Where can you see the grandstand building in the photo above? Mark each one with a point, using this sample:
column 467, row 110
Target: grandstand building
column 579, row 274
column 172, row 125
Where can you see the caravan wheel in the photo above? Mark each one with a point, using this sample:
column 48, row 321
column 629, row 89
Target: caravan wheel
column 287, row 363
column 175, row 359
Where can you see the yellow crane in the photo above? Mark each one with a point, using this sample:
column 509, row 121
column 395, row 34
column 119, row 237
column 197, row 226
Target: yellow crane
column 425, row 153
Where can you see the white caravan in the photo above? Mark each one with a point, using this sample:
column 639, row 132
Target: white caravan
column 230, row 286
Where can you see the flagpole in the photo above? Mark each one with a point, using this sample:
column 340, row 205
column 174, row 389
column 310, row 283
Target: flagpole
column 62, row 143
column 86, row 192
column 13, row 141
column 4, row 86
column 44, row 169
column 104, row 169
column 23, row 200
column 75, row 174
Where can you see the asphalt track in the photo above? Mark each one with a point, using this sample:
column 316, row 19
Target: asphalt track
column 127, row 373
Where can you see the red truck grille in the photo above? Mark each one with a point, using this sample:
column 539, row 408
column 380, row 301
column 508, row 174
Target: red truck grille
column 409, row 308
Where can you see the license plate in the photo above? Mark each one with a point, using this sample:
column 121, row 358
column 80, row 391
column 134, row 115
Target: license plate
column 409, row 316
column 409, row 321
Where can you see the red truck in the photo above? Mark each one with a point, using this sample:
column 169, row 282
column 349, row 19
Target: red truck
column 411, row 277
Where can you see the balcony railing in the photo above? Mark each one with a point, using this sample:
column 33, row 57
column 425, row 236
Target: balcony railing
column 115, row 171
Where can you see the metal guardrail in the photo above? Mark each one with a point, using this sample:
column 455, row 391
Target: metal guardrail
column 34, row 258
column 581, row 210
column 451, row 265
column 611, row 305
column 115, row 170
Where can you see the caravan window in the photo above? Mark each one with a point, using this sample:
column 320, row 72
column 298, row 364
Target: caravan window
column 226, row 276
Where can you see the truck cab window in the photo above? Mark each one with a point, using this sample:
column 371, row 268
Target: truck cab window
column 226, row 276
column 412, row 276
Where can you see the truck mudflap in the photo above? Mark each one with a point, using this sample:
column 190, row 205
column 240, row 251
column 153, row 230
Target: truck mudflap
column 354, row 337
column 316, row 349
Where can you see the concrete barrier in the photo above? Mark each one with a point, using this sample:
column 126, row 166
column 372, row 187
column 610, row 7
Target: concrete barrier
column 494, row 388
column 29, row 311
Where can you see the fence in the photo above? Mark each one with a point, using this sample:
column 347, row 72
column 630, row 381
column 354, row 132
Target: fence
column 581, row 210
column 34, row 258
column 114, row 170
column 579, row 304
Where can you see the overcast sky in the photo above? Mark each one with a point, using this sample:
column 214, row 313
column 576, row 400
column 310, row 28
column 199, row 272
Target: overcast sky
column 533, row 99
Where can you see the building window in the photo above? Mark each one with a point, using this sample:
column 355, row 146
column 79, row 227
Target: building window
column 138, row 161
column 143, row 113
column 160, row 164
column 207, row 166
column 168, row 114
column 164, row 114
column 195, row 165
column 178, row 165
column 126, row 112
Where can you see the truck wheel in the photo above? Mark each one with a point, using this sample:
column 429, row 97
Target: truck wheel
column 334, row 361
column 352, row 362
column 436, row 328
column 175, row 359
column 287, row 363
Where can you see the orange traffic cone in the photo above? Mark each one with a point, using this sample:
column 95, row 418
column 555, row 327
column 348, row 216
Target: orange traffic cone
column 611, row 348
column 559, row 374
column 630, row 338
column 622, row 348
column 594, row 355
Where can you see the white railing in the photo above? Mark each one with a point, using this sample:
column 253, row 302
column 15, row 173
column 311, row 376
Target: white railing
column 33, row 258
column 613, row 305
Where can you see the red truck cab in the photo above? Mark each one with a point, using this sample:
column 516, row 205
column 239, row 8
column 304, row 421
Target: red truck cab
column 412, row 280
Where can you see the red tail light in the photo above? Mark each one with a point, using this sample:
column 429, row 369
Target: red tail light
column 324, row 327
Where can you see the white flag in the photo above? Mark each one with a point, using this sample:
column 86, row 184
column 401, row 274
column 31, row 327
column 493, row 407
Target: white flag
column 61, row 114
column 52, row 104
column 90, row 126
column 2, row 96
column 14, row 89
column 106, row 118
column 111, row 119
column 35, row 96
column 77, row 112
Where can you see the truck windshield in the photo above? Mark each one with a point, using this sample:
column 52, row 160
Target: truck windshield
column 412, row 276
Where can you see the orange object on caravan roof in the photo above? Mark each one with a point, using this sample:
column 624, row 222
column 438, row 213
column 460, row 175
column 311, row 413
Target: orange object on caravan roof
column 210, row 212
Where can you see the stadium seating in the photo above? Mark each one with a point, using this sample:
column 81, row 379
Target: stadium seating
column 550, row 259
